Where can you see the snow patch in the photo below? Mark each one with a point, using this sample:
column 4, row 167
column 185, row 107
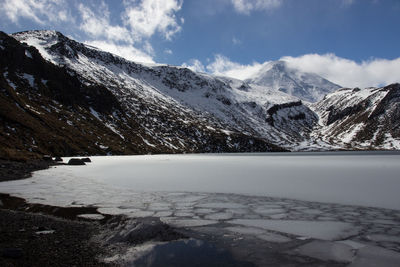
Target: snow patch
column 28, row 54
column 348, row 136
column 390, row 142
column 45, row 232
column 111, row 127
column 95, row 114
column 91, row 216
column 29, row 78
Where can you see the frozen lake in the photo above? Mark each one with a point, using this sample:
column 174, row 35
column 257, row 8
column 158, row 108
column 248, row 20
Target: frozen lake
column 348, row 196
column 355, row 178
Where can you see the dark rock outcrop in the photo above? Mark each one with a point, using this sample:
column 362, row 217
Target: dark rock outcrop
column 86, row 159
column 75, row 161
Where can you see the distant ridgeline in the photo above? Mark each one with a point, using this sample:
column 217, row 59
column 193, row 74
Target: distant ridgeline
column 60, row 97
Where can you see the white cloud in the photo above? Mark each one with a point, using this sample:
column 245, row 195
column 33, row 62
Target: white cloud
column 345, row 72
column 141, row 20
column 168, row 51
column 126, row 51
column 127, row 36
column 348, row 73
column 151, row 16
column 194, row 65
column 116, row 39
column 225, row 67
column 247, row 6
column 98, row 24
column 236, row 41
column 40, row 11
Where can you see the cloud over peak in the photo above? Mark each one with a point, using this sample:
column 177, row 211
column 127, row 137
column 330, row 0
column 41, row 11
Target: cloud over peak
column 346, row 72
column 342, row 71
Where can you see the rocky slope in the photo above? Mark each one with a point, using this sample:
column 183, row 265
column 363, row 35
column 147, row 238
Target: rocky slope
column 49, row 108
column 62, row 97
column 361, row 118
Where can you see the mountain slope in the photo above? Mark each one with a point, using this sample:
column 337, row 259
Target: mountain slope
column 306, row 86
column 361, row 118
column 223, row 103
column 51, row 109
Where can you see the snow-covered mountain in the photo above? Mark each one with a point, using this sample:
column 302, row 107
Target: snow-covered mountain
column 63, row 97
column 280, row 77
column 360, row 118
column 226, row 104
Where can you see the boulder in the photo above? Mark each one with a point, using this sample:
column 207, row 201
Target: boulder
column 86, row 159
column 74, row 161
column 47, row 158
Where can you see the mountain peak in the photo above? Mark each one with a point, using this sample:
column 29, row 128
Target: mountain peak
column 280, row 77
column 39, row 34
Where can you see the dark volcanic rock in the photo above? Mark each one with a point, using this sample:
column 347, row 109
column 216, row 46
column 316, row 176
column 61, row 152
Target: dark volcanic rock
column 12, row 253
column 86, row 159
column 13, row 170
column 69, row 245
column 140, row 231
column 47, row 158
column 76, row 162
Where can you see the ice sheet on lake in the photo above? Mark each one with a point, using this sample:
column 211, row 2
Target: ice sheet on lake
column 372, row 256
column 328, row 251
column 219, row 216
column 274, row 238
column 384, row 238
column 314, row 229
column 267, row 236
column 368, row 179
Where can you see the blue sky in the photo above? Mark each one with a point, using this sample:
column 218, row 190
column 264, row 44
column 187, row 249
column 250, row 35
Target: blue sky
column 351, row 42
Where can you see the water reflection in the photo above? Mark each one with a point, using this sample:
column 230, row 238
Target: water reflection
column 191, row 252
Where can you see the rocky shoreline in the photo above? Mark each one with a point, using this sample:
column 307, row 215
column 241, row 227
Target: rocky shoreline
column 43, row 235
column 29, row 239
column 15, row 170
column 36, row 235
